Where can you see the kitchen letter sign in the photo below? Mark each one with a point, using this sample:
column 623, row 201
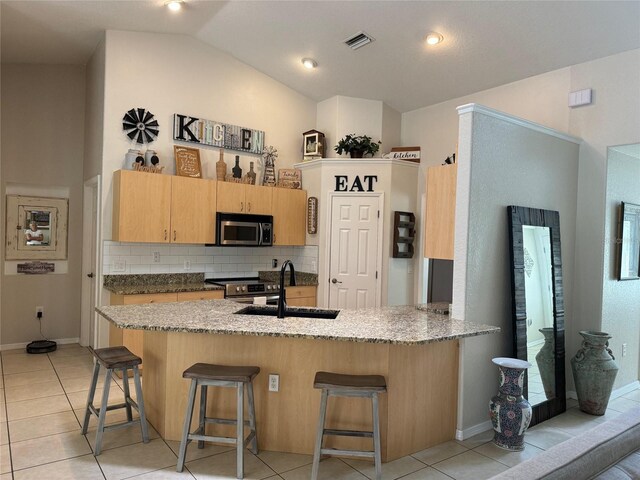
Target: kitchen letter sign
column 217, row 134
column 343, row 184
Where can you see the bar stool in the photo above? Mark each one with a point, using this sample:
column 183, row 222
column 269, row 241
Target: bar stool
column 115, row 358
column 206, row 375
column 338, row 385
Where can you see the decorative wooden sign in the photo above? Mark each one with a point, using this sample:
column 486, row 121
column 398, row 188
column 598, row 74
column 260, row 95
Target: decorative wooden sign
column 411, row 154
column 187, row 162
column 217, row 134
column 36, row 268
column 290, row 178
column 147, row 168
column 343, row 184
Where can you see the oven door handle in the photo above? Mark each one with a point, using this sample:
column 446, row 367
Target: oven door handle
column 249, row 300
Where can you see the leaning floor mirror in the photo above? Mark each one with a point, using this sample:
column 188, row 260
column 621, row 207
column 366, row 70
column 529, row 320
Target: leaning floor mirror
column 538, row 307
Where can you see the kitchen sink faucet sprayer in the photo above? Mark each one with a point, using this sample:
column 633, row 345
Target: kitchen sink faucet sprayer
column 282, row 297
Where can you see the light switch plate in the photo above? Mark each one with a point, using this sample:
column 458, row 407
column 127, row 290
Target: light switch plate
column 580, row 97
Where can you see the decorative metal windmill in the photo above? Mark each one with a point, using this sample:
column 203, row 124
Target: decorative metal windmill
column 139, row 125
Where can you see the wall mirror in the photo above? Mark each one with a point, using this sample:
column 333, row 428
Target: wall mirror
column 538, row 307
column 36, row 228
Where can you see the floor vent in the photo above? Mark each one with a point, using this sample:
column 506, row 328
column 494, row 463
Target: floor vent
column 358, row 40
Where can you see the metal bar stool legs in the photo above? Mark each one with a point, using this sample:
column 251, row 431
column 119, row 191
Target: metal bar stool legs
column 115, row 358
column 364, row 386
column 204, row 376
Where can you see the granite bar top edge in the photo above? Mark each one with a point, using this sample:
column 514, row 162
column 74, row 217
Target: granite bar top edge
column 387, row 325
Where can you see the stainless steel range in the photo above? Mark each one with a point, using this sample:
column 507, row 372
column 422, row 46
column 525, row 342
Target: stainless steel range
column 246, row 290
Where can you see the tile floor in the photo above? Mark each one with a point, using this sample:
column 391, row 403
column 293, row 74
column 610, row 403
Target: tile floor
column 41, row 406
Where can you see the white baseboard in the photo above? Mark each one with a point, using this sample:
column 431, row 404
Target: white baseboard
column 618, row 392
column 15, row 346
column 471, row 431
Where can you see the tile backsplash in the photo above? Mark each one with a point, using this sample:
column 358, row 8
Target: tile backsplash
column 120, row 258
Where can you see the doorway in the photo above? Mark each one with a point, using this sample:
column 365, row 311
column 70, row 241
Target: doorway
column 91, row 221
column 355, row 250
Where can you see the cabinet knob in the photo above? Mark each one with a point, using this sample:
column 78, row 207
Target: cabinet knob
column 242, row 206
column 249, row 207
column 174, row 235
column 165, row 233
column 151, row 301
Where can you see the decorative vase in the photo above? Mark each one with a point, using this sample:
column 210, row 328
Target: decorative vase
column 237, row 171
column 594, row 371
column 509, row 411
column 251, row 175
column 132, row 157
column 151, row 158
column 546, row 361
column 356, row 154
column 221, row 167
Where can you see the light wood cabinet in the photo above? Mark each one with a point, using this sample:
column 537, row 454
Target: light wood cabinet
column 141, row 207
column 157, row 208
column 441, row 211
column 289, row 216
column 303, row 296
column 243, row 198
column 132, row 339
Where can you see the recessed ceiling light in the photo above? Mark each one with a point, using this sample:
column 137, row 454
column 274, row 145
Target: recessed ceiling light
column 174, row 5
column 434, row 38
column 309, row 63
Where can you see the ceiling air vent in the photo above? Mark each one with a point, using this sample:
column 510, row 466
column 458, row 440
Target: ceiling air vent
column 358, row 40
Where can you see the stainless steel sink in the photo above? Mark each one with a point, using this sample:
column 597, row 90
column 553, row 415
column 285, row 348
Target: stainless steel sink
column 289, row 312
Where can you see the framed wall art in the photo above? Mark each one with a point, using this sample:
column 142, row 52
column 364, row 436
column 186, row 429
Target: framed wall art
column 628, row 242
column 187, row 162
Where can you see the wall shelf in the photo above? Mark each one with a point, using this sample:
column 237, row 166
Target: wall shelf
column 404, row 234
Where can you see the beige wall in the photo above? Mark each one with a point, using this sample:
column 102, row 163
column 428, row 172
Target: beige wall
column 42, row 147
column 94, row 113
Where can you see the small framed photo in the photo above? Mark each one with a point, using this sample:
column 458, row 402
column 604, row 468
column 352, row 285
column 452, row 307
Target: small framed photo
column 313, row 144
column 187, row 162
column 629, row 242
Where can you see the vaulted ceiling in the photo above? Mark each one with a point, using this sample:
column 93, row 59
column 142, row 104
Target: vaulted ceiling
column 486, row 43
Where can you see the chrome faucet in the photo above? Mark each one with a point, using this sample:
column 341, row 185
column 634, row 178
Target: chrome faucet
column 282, row 297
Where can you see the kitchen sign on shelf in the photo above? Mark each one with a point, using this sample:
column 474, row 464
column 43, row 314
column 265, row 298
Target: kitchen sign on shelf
column 358, row 185
column 217, row 134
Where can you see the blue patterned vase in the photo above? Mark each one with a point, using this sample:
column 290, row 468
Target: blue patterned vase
column 509, row 411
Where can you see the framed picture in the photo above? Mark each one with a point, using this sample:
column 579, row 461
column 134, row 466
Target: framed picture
column 313, row 144
column 187, row 162
column 290, row 178
column 629, row 242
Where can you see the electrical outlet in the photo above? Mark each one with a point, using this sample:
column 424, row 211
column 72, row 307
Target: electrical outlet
column 119, row 266
column 187, row 264
column 274, row 263
column 409, row 268
column 274, row 382
column 156, row 257
column 624, row 349
column 40, row 311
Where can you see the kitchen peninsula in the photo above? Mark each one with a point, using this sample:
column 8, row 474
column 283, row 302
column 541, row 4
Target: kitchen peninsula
column 416, row 351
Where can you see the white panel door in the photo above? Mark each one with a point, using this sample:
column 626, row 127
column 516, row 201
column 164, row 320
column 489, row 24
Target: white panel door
column 355, row 234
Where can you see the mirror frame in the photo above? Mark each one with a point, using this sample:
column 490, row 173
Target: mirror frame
column 519, row 216
column 59, row 211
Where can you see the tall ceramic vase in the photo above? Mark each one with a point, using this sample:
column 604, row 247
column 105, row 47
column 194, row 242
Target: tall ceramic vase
column 510, row 412
column 546, row 361
column 594, row 371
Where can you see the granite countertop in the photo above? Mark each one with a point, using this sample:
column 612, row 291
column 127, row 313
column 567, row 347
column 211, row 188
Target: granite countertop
column 303, row 279
column 157, row 283
column 402, row 325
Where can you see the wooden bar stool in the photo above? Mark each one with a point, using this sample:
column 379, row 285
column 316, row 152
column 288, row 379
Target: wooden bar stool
column 338, row 385
column 115, row 358
column 207, row 375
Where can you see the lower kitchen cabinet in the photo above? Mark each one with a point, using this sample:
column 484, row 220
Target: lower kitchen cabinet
column 132, row 339
column 303, row 296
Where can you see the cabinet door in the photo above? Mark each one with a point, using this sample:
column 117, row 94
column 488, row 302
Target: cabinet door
column 289, row 216
column 441, row 212
column 193, row 210
column 141, row 207
column 304, row 296
column 258, row 199
column 230, row 197
column 203, row 295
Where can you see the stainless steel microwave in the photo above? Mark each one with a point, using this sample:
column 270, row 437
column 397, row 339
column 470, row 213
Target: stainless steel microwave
column 238, row 229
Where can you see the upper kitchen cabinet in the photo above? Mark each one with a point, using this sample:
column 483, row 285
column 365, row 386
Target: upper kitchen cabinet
column 243, row 198
column 441, row 210
column 158, row 208
column 289, row 216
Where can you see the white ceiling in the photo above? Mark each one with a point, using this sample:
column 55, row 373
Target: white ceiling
column 486, row 44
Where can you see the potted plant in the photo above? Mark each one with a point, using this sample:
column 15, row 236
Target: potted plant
column 358, row 146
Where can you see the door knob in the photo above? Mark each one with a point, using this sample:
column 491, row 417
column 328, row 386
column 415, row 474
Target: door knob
column 90, row 275
column 335, row 280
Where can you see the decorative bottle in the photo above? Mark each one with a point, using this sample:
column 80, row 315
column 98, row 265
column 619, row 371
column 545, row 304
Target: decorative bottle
column 237, row 171
column 221, row 167
column 251, row 175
